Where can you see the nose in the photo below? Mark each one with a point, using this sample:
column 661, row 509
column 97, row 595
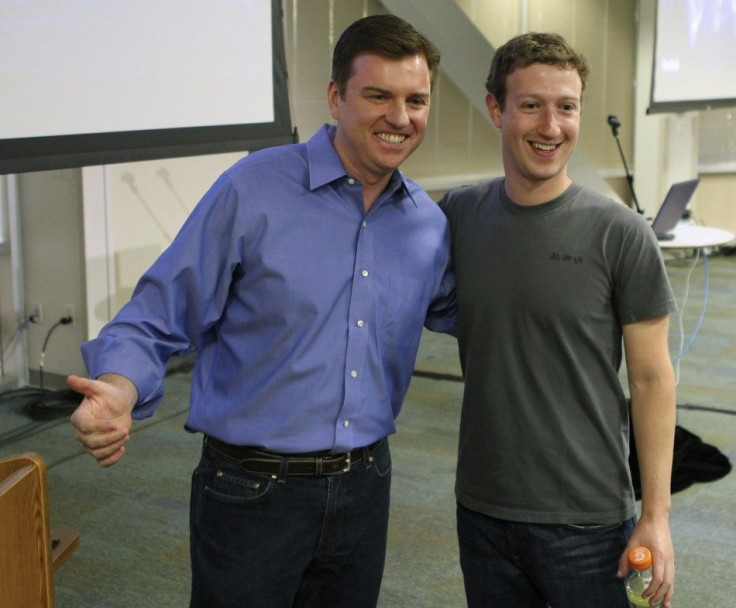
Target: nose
column 397, row 114
column 549, row 124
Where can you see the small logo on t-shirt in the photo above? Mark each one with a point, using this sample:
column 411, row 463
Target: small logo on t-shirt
column 566, row 257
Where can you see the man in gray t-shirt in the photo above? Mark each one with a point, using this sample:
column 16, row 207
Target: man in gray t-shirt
column 551, row 279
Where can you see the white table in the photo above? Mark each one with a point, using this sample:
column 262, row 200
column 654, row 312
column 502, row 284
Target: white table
column 692, row 236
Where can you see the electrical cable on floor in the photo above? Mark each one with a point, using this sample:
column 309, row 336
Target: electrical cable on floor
column 685, row 346
column 41, row 403
column 53, row 403
column 62, row 321
column 706, row 408
column 701, row 317
column 28, row 430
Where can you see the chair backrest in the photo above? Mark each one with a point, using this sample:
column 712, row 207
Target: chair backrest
column 26, row 576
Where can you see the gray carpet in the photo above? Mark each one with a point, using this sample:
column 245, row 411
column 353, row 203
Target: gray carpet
column 133, row 517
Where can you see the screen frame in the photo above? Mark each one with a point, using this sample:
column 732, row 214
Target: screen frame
column 21, row 155
column 658, row 106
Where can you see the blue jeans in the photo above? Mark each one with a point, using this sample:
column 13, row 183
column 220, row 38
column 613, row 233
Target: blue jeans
column 300, row 542
column 508, row 563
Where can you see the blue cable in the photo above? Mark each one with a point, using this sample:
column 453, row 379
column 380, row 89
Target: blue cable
column 695, row 331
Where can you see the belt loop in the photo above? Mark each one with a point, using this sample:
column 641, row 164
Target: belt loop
column 367, row 458
column 283, row 470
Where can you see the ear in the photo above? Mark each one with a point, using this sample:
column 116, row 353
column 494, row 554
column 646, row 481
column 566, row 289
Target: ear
column 333, row 99
column 494, row 109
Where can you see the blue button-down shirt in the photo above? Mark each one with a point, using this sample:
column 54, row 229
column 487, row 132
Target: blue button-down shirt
column 305, row 310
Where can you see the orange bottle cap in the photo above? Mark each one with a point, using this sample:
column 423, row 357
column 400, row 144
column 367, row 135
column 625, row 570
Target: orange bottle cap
column 640, row 558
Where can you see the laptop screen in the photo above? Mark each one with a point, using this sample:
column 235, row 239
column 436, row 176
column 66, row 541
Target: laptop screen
column 673, row 207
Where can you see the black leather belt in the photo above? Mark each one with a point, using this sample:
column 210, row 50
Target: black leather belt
column 264, row 462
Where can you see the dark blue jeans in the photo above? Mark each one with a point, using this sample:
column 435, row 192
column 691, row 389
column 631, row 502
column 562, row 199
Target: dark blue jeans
column 536, row 565
column 302, row 542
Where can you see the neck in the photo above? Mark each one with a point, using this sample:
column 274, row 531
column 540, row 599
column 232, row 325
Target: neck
column 528, row 192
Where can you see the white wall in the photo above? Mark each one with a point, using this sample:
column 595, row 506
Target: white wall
column 53, row 269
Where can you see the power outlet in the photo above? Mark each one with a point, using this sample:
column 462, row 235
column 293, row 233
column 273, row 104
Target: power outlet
column 35, row 313
column 69, row 312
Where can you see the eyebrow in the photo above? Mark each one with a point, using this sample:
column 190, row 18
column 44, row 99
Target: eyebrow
column 533, row 96
column 372, row 89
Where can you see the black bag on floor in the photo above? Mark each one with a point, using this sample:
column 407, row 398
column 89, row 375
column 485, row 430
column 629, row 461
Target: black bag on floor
column 692, row 461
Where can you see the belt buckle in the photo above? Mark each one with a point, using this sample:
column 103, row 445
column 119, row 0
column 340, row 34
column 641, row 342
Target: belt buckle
column 333, row 465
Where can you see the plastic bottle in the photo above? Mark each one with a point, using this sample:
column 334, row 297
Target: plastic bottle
column 639, row 577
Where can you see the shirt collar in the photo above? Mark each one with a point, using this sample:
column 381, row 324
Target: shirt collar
column 325, row 165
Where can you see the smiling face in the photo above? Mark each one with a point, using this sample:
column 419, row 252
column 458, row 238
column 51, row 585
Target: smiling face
column 382, row 117
column 539, row 123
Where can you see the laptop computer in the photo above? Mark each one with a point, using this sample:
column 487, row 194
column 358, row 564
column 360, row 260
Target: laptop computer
column 673, row 208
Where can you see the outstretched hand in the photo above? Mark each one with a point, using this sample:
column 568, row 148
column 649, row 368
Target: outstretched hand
column 103, row 418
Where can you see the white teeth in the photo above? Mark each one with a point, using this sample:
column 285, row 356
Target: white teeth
column 545, row 147
column 392, row 139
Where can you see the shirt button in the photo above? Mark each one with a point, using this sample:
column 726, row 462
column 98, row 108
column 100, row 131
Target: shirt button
column 351, row 181
column 364, row 273
column 346, row 423
column 354, row 374
column 360, row 323
column 365, row 223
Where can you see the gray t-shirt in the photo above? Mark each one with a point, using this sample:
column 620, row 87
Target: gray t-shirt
column 543, row 292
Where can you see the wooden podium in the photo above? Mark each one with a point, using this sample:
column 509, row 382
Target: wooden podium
column 30, row 550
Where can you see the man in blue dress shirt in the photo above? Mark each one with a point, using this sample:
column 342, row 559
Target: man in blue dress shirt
column 303, row 280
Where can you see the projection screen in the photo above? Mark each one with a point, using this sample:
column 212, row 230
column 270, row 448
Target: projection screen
column 101, row 81
column 694, row 64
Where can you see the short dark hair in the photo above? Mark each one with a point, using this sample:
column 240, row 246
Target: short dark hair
column 385, row 35
column 526, row 49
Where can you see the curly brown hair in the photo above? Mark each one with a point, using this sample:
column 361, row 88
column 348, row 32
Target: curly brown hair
column 526, row 49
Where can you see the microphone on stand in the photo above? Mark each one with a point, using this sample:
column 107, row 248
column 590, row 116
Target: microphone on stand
column 615, row 123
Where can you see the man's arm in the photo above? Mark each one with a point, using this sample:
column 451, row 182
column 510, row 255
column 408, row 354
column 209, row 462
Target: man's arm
column 652, row 388
column 103, row 418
